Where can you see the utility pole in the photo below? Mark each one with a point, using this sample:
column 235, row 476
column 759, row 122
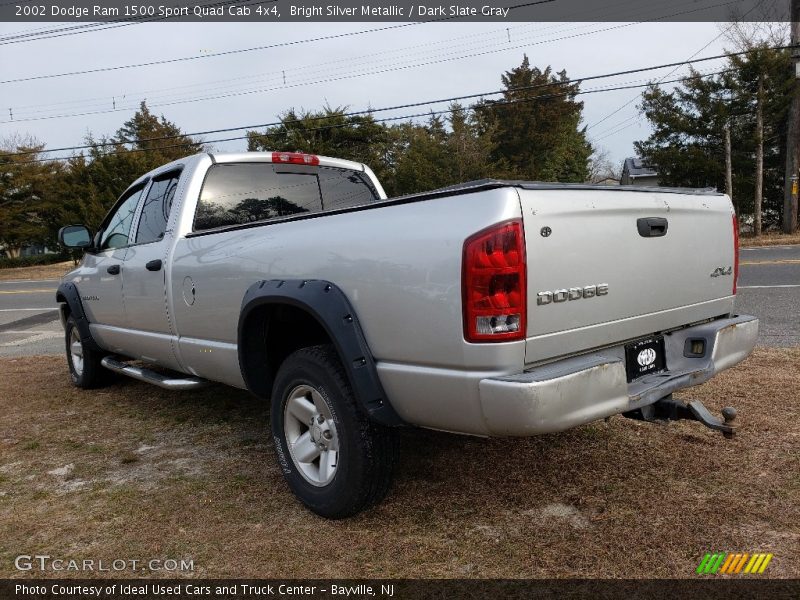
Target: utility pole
column 793, row 132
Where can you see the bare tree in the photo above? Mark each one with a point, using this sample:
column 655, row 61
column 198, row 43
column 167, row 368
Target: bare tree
column 767, row 23
column 759, row 191
column 602, row 167
column 728, row 163
column 746, row 33
column 13, row 142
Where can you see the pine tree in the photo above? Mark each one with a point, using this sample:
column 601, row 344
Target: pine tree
column 328, row 132
column 143, row 143
column 688, row 140
column 469, row 145
column 536, row 127
column 30, row 207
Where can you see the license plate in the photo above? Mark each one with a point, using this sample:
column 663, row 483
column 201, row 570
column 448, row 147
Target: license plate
column 645, row 357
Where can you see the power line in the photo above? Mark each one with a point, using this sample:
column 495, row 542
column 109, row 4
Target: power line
column 29, row 33
column 574, row 81
column 324, row 67
column 321, row 38
column 347, row 76
column 603, row 134
column 506, row 31
column 43, row 30
column 381, row 120
column 378, row 71
column 370, row 111
column 43, row 33
column 213, row 54
column 34, row 33
column 632, row 100
column 253, row 49
column 319, row 67
column 636, row 119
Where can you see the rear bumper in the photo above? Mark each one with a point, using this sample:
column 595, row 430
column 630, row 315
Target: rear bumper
column 586, row 388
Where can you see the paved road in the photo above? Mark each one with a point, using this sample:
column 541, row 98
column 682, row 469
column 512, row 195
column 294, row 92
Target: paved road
column 769, row 287
column 29, row 319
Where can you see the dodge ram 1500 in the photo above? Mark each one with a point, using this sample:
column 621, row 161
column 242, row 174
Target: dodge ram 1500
column 493, row 308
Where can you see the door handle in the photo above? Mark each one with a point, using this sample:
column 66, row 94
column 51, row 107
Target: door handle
column 652, row 226
column 154, row 265
column 113, row 270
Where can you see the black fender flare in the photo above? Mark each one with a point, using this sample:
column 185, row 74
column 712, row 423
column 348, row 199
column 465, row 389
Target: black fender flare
column 325, row 302
column 69, row 292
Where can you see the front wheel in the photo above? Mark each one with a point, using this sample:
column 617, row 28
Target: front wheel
column 335, row 460
column 84, row 364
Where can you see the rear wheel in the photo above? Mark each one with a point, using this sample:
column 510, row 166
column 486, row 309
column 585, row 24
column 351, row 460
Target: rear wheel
column 84, row 364
column 335, row 460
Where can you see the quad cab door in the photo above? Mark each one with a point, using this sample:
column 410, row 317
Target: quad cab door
column 144, row 279
column 100, row 283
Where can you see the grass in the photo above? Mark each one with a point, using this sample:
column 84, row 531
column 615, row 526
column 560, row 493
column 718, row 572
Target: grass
column 54, row 271
column 133, row 471
column 769, row 239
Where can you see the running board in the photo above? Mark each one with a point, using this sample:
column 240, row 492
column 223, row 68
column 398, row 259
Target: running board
column 163, row 381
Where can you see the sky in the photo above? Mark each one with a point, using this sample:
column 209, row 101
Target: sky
column 415, row 63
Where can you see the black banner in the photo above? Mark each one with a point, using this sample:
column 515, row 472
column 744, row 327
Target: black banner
column 266, row 11
column 110, row 589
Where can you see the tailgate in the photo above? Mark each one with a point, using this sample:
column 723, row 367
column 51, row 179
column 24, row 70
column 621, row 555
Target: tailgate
column 579, row 238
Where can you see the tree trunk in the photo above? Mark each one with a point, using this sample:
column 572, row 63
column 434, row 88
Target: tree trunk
column 728, row 164
column 759, row 195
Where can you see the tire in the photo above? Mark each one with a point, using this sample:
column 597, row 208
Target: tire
column 334, row 458
column 84, row 364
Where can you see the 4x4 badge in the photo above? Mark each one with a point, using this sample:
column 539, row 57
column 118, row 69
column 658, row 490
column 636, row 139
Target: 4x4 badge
column 720, row 271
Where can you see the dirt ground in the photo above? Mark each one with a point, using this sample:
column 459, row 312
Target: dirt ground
column 40, row 272
column 135, row 472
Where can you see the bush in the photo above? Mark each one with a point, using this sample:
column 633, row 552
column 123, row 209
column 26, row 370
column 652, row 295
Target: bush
column 32, row 261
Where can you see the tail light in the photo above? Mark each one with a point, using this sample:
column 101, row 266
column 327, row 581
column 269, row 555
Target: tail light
column 735, row 252
column 493, row 284
column 295, row 158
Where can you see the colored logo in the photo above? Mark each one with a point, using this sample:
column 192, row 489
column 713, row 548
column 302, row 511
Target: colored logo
column 733, row 563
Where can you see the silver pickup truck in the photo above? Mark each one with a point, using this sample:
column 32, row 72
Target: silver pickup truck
column 493, row 308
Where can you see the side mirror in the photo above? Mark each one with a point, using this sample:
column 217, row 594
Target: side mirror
column 75, row 236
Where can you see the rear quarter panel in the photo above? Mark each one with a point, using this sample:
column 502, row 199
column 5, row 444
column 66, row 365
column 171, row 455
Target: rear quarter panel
column 399, row 265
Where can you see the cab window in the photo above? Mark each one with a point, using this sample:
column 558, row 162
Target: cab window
column 343, row 188
column 240, row 193
column 117, row 232
column 156, row 209
column 235, row 194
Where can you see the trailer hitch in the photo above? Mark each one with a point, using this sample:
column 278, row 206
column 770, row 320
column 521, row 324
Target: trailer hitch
column 669, row 409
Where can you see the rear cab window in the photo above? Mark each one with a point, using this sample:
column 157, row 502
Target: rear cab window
column 156, row 209
column 242, row 193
